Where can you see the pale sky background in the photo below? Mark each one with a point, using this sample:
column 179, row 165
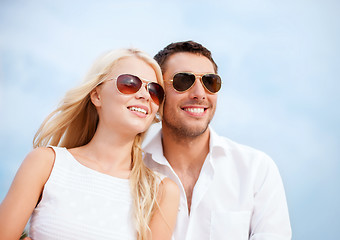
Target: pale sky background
column 279, row 61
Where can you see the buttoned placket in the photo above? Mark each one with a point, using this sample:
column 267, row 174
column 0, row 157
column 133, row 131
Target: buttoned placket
column 200, row 190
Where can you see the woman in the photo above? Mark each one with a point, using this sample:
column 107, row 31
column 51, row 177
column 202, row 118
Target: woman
column 94, row 185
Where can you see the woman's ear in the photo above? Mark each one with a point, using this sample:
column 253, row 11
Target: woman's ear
column 95, row 97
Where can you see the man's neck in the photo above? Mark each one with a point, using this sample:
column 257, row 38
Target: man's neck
column 186, row 156
column 183, row 152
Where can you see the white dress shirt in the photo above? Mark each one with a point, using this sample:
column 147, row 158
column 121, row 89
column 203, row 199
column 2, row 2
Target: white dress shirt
column 239, row 194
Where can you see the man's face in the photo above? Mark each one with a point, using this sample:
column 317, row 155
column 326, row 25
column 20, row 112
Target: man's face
column 188, row 114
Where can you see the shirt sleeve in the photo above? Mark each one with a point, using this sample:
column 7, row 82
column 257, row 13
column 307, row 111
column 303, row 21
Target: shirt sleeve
column 270, row 220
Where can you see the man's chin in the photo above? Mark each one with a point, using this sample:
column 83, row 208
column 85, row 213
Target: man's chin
column 185, row 129
column 191, row 131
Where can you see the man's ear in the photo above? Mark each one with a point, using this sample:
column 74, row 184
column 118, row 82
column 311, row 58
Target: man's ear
column 95, row 97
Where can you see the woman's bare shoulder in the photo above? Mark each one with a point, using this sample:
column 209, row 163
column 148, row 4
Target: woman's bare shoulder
column 169, row 188
column 41, row 157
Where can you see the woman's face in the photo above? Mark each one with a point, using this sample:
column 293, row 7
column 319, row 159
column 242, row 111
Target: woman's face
column 128, row 114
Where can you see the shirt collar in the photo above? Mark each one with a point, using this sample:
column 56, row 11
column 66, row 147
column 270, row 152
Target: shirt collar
column 155, row 148
column 217, row 146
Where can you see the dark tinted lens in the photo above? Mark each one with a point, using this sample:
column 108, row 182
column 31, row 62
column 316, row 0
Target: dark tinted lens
column 212, row 82
column 156, row 92
column 128, row 84
column 183, row 81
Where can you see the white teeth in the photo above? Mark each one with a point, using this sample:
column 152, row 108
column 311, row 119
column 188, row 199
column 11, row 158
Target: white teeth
column 194, row 110
column 138, row 109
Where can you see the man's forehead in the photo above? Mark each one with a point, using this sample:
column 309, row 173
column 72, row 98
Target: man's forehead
column 188, row 62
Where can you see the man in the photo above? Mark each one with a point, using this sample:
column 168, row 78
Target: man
column 228, row 191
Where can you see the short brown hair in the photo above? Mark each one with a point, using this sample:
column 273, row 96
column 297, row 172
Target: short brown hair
column 188, row 46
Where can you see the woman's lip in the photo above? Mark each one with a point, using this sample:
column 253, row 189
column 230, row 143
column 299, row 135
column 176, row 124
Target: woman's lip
column 139, row 108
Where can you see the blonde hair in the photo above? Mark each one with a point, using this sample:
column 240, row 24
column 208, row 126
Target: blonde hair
column 74, row 123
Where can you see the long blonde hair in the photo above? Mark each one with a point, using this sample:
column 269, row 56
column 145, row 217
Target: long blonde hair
column 74, row 123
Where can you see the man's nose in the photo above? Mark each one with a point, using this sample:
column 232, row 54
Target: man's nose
column 197, row 91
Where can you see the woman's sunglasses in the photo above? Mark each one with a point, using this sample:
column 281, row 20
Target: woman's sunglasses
column 183, row 81
column 129, row 84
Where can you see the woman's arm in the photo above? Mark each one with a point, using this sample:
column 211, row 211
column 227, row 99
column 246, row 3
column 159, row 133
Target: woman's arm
column 163, row 220
column 24, row 193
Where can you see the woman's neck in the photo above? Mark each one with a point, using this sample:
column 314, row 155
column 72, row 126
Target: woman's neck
column 107, row 152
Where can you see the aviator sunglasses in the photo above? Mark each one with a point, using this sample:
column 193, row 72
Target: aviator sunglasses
column 183, row 81
column 129, row 84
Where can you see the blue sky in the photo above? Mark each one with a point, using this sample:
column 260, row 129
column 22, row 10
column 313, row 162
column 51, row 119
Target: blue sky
column 279, row 61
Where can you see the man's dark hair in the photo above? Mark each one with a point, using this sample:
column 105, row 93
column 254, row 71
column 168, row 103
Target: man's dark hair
column 188, row 46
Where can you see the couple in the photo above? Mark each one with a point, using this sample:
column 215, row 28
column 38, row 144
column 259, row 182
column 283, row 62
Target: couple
column 94, row 185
